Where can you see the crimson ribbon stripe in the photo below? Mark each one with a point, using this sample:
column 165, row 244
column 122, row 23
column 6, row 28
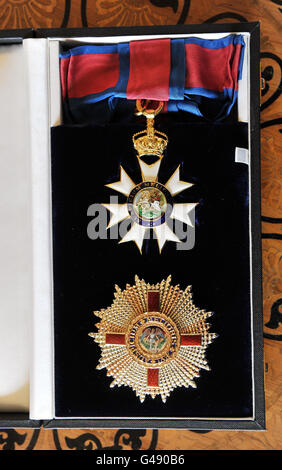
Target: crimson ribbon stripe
column 149, row 70
column 103, row 67
column 214, row 75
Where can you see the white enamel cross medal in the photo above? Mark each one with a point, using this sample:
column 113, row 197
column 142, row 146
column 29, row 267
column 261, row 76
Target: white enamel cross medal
column 150, row 203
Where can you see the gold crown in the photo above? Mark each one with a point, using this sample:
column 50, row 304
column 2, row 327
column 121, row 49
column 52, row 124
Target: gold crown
column 150, row 143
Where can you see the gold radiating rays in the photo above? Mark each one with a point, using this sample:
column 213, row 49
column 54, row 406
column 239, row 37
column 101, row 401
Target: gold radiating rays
column 182, row 325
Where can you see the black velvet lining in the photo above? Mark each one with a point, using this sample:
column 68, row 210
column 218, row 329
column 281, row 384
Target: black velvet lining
column 84, row 159
column 123, row 111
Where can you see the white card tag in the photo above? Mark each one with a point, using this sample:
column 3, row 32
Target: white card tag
column 241, row 155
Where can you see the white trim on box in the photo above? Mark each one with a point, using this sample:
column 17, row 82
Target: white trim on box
column 41, row 381
column 15, row 234
column 55, row 84
column 244, row 84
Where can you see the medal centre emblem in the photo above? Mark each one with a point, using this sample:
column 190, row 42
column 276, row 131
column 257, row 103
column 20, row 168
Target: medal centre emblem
column 153, row 339
column 149, row 204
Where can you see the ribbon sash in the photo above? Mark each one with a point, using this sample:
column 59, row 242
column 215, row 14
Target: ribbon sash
column 180, row 72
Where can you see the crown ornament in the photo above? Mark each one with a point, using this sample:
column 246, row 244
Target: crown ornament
column 149, row 141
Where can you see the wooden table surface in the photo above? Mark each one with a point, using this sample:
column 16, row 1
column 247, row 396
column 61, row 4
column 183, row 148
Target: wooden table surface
column 77, row 13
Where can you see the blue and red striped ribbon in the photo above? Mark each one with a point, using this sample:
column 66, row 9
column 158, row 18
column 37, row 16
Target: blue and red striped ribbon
column 180, row 72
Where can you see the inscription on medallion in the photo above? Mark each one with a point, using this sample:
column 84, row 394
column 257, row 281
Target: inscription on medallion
column 149, row 204
column 153, row 339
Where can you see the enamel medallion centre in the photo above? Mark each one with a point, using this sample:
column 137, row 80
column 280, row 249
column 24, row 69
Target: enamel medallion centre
column 153, row 339
column 150, row 204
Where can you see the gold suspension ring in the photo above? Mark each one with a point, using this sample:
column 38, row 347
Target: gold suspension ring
column 143, row 109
